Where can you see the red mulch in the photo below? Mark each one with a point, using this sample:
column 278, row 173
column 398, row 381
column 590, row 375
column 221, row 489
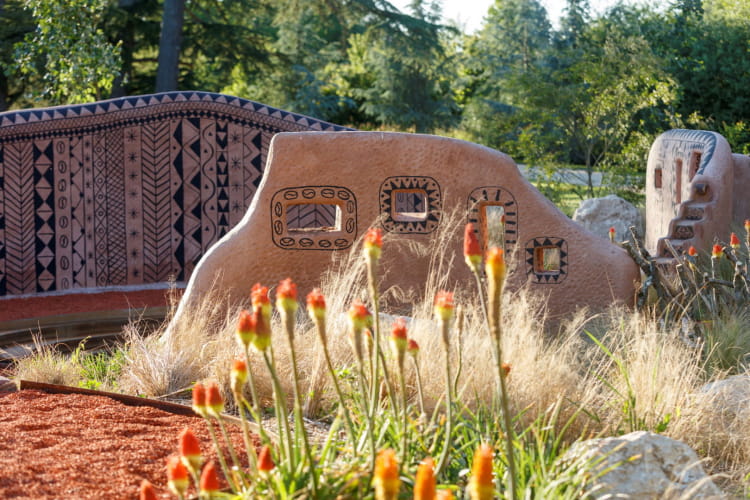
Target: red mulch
column 61, row 446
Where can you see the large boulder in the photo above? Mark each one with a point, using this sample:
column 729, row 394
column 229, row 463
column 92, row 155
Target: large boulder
column 643, row 465
column 728, row 401
column 599, row 214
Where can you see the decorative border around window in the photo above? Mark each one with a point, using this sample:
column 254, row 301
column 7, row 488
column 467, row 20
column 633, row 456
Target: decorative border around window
column 495, row 195
column 432, row 199
column 338, row 239
column 546, row 277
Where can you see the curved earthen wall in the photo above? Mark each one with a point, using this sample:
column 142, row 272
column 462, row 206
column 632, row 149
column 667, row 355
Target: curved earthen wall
column 320, row 193
column 127, row 192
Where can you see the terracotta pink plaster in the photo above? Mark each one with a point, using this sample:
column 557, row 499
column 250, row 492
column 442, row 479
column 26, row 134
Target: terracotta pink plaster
column 372, row 177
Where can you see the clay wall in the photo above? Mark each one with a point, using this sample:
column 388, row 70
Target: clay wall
column 127, row 192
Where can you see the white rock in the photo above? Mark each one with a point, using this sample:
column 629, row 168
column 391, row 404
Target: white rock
column 645, row 465
column 599, row 214
column 729, row 401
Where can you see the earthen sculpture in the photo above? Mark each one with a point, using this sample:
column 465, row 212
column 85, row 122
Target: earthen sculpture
column 695, row 189
column 320, row 192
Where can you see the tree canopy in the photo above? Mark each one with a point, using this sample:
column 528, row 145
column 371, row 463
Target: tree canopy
column 592, row 91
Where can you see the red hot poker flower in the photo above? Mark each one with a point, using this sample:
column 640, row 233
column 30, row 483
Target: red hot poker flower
column 747, row 225
column 199, row 399
column 444, row 305
column 424, row 483
column 214, row 400
column 316, row 305
column 692, row 251
column 286, row 296
column 262, row 337
column 359, row 316
column 245, row 327
column 612, row 234
column 481, row 484
column 177, row 476
column 190, row 450
column 238, row 376
column 734, row 241
column 147, row 491
column 495, row 266
column 265, row 462
column 399, row 340
column 472, row 252
column 373, row 243
column 413, row 347
column 386, row 481
column 210, row 479
column 717, row 251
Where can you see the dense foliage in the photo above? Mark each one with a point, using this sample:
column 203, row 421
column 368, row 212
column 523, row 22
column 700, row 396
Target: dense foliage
column 592, row 92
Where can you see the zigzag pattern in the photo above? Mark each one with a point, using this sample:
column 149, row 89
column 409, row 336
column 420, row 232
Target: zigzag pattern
column 156, row 201
column 20, row 272
column 310, row 215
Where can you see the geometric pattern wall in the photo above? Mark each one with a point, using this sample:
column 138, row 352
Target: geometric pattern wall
column 128, row 191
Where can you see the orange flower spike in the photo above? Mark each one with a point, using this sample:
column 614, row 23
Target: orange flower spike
column 373, row 244
column 209, row 482
column 245, row 328
column 399, row 340
column 265, row 461
column 367, row 334
column 692, row 251
column 359, row 316
column 495, row 267
column 717, row 251
column 472, row 252
column 199, row 399
column 424, row 483
column 481, row 483
column 386, row 481
column 262, row 337
column 214, row 400
column 316, row 305
column 286, row 296
column 238, row 376
column 177, row 476
column 147, row 491
column 747, row 225
column 444, row 305
column 412, row 347
column 190, row 450
column 612, row 234
column 506, row 368
column 734, row 242
column 260, row 301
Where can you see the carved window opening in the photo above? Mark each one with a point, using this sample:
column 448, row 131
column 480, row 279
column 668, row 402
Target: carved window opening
column 657, row 177
column 678, row 181
column 492, row 224
column 695, row 163
column 310, row 217
column 547, row 260
column 314, row 218
column 409, row 205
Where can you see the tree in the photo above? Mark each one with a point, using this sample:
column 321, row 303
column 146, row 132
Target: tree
column 68, row 50
column 169, row 45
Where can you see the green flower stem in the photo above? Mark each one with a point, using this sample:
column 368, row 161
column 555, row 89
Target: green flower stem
column 220, row 455
column 320, row 325
column 444, row 455
column 230, row 447
column 404, row 414
column 289, row 326
column 419, row 385
column 460, row 347
column 255, row 409
column 495, row 292
column 285, row 435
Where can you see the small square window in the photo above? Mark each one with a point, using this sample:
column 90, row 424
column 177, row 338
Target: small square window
column 313, row 217
column 547, row 260
column 409, row 205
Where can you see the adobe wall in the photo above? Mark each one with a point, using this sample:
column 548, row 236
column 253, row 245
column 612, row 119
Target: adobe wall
column 127, row 192
column 320, row 193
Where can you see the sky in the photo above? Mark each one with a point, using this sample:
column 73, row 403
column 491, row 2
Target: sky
column 471, row 12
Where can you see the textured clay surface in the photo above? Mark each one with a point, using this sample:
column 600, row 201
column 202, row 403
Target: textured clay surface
column 88, row 447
